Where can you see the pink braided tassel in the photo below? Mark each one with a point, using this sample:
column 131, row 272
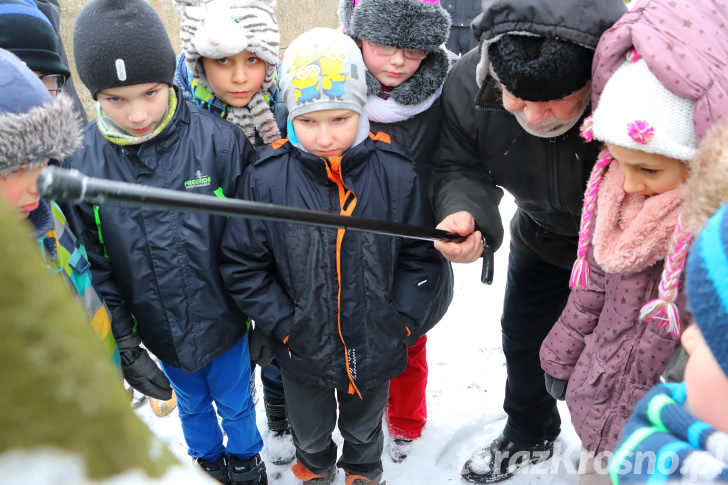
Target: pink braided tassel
column 663, row 308
column 581, row 270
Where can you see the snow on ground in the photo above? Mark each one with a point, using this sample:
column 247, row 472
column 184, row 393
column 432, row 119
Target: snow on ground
column 464, row 395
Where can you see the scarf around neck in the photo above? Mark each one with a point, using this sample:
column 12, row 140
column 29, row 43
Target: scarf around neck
column 390, row 110
column 118, row 136
column 632, row 231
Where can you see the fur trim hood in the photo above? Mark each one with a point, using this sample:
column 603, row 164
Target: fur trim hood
column 30, row 139
column 430, row 76
column 707, row 185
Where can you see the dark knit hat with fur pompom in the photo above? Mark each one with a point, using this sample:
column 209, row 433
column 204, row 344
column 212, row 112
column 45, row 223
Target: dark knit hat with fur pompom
column 540, row 69
column 33, row 126
column 409, row 24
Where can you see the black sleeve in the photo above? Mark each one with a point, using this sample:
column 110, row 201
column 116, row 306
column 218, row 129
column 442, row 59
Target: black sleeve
column 460, row 174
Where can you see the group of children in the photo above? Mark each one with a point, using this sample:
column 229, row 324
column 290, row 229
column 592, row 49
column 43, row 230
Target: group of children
column 158, row 270
column 345, row 124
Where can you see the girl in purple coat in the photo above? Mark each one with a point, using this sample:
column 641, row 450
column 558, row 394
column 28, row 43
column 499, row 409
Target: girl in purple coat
column 657, row 86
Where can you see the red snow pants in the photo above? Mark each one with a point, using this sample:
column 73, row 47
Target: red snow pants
column 407, row 406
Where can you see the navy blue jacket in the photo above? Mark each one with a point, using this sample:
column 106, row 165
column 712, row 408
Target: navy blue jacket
column 339, row 304
column 158, row 268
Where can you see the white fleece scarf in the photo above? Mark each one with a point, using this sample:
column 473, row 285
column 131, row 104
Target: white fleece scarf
column 390, row 111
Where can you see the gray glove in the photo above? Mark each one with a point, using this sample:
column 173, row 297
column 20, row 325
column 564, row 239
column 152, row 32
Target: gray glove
column 556, row 387
column 140, row 371
column 260, row 346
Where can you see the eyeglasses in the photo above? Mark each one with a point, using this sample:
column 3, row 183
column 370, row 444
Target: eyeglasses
column 388, row 50
column 53, row 82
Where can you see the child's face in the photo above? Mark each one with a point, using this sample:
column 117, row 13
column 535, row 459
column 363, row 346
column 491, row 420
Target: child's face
column 391, row 66
column 236, row 78
column 136, row 109
column 19, row 189
column 648, row 173
column 705, row 382
column 327, row 133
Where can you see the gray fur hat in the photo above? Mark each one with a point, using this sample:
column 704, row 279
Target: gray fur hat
column 220, row 28
column 411, row 24
column 33, row 126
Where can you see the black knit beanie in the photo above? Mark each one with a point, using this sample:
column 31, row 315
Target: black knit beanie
column 121, row 43
column 28, row 34
column 540, row 69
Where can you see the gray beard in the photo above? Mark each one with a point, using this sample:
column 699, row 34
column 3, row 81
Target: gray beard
column 552, row 130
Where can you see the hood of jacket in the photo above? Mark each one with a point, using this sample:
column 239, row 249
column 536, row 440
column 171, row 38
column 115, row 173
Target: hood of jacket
column 569, row 20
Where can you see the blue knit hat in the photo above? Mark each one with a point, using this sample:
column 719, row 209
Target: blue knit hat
column 33, row 126
column 28, row 34
column 707, row 284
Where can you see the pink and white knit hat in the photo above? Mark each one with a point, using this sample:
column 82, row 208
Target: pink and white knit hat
column 637, row 111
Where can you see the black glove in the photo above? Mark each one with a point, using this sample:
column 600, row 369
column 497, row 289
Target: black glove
column 260, row 346
column 140, row 371
column 556, row 387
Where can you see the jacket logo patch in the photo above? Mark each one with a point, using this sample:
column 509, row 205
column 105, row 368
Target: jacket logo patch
column 200, row 180
column 352, row 362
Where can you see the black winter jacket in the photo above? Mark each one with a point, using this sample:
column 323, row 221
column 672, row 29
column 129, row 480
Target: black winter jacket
column 417, row 136
column 159, row 268
column 339, row 304
column 483, row 149
column 462, row 12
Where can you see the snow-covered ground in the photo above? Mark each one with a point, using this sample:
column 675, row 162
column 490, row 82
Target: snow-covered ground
column 464, row 395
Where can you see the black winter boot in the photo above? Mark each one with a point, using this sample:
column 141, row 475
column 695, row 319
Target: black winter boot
column 217, row 470
column 502, row 458
column 247, row 472
column 281, row 450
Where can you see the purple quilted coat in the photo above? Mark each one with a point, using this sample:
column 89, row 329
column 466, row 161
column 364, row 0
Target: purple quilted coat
column 685, row 45
column 607, row 380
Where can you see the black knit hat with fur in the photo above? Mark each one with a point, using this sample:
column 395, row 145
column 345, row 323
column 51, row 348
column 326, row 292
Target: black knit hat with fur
column 410, row 24
column 540, row 69
column 121, row 43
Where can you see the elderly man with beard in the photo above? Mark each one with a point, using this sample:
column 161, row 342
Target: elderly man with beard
column 512, row 109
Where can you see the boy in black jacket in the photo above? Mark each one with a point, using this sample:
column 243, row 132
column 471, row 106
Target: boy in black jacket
column 340, row 306
column 157, row 269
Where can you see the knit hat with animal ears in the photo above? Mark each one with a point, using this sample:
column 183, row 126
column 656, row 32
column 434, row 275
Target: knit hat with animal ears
column 222, row 28
column 410, row 24
column 33, row 126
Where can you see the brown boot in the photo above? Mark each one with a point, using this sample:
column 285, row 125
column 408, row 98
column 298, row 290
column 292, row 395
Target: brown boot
column 163, row 408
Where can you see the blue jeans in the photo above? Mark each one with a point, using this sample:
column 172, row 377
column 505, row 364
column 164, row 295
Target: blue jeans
column 270, row 376
column 223, row 381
